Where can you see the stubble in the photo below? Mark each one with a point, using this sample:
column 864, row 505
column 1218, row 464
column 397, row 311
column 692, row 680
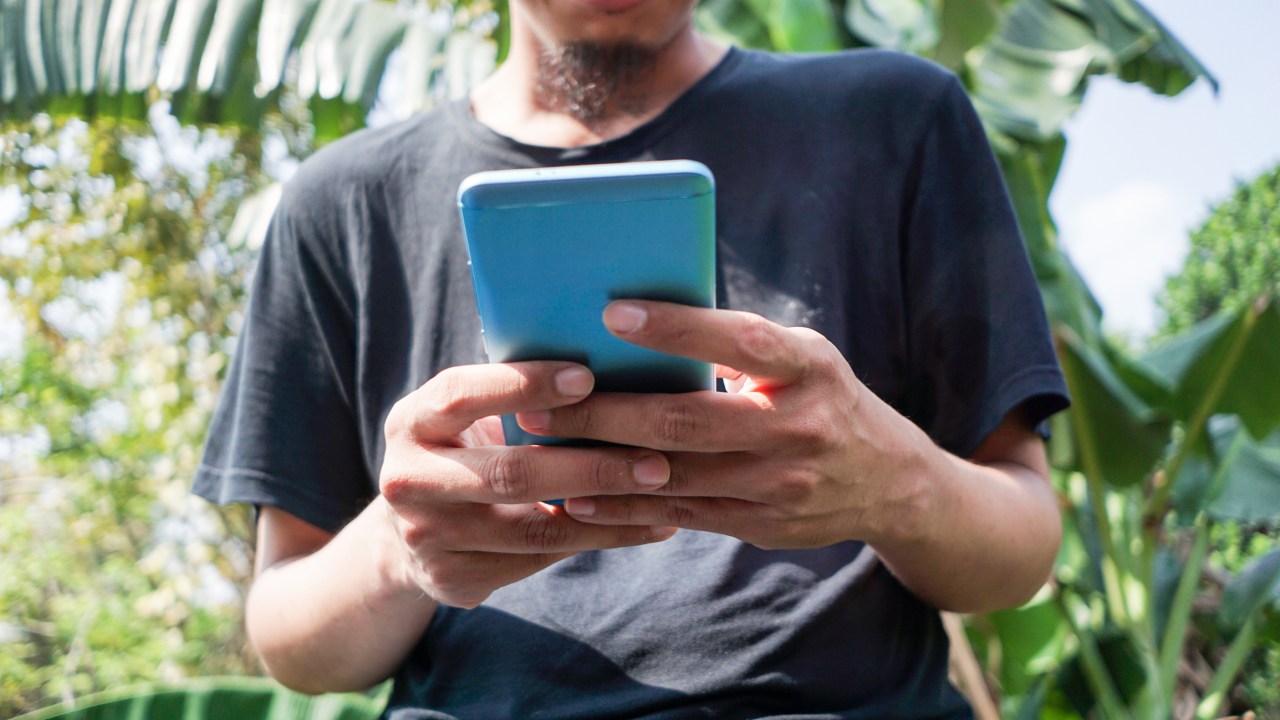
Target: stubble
column 593, row 82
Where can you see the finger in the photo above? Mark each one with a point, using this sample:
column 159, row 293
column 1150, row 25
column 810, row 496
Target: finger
column 517, row 475
column 696, row 421
column 727, row 516
column 531, row 530
column 738, row 475
column 465, row 579
column 458, row 396
column 770, row 353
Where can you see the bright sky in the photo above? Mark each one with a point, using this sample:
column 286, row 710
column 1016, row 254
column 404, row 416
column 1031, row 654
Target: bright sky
column 1142, row 170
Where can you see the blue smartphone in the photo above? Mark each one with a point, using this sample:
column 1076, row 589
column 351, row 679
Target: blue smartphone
column 551, row 247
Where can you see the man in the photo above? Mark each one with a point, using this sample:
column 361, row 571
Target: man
column 778, row 550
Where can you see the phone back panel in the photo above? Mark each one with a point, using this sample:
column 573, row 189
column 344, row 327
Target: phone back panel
column 550, row 248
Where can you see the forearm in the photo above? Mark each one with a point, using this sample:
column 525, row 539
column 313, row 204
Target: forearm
column 341, row 618
column 976, row 537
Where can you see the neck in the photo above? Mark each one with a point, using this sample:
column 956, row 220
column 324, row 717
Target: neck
column 516, row 101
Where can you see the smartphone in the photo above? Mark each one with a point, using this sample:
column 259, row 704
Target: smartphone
column 551, row 247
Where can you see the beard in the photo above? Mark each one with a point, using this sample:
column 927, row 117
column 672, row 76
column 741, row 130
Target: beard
column 593, row 82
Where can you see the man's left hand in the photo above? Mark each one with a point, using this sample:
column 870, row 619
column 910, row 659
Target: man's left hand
column 802, row 454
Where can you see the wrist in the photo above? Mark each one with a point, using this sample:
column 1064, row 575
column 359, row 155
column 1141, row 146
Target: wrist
column 916, row 492
column 391, row 558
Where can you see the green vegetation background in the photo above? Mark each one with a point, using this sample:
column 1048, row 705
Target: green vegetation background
column 126, row 272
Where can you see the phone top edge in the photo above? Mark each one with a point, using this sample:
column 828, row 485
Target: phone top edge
column 610, row 182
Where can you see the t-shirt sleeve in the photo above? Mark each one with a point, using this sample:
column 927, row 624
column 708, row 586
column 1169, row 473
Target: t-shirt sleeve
column 979, row 344
column 284, row 433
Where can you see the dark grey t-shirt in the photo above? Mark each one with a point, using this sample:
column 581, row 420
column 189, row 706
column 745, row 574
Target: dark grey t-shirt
column 856, row 195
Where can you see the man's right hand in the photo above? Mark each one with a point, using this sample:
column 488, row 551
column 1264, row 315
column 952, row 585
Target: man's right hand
column 466, row 508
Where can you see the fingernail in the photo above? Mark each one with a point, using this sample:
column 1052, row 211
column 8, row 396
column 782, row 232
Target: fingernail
column 574, row 381
column 660, row 533
column 650, row 471
column 622, row 317
column 582, row 507
column 535, row 420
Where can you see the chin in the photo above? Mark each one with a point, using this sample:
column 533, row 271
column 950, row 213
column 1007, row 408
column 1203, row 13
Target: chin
column 644, row 23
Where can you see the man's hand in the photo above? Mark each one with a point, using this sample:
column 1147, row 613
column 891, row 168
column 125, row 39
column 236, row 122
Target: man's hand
column 466, row 509
column 804, row 455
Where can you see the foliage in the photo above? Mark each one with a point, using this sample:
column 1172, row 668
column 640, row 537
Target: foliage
column 1158, row 451
column 1234, row 258
column 235, row 62
column 119, row 281
column 217, row 698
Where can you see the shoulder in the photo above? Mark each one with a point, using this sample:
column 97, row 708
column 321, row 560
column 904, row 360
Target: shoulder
column 355, row 169
column 867, row 76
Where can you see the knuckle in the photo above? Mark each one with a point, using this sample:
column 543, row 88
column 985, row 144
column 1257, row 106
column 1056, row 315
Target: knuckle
column 445, row 394
column 793, row 489
column 397, row 424
column 679, row 421
column 810, row 432
column 541, row 532
column 677, row 513
column 396, row 487
column 607, row 474
column 757, row 339
column 419, row 535
column 506, row 475
column 576, row 419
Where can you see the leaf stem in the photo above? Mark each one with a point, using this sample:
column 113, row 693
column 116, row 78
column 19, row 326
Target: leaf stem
column 1237, row 653
column 1203, row 411
column 1095, row 668
column 1180, row 612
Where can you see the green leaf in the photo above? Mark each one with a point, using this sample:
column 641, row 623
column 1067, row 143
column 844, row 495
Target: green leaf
column 377, row 30
column 320, row 70
column 1123, row 663
column 1032, row 74
column 421, row 54
column 11, row 50
column 1256, row 586
column 965, row 24
column 184, row 46
column 1031, row 643
column 1118, row 434
column 1249, row 487
column 111, row 51
column 734, row 21
column 1029, row 78
column 279, row 32
column 1142, row 49
column 226, row 698
column 802, row 26
column 90, row 37
column 142, row 45
column 226, row 44
column 907, row 25
column 1226, row 364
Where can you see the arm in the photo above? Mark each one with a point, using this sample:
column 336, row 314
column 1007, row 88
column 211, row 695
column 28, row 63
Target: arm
column 987, row 529
column 458, row 517
column 803, row 455
column 325, row 613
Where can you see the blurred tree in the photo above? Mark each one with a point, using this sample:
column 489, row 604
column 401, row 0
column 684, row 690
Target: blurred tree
column 1234, row 258
column 117, row 278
